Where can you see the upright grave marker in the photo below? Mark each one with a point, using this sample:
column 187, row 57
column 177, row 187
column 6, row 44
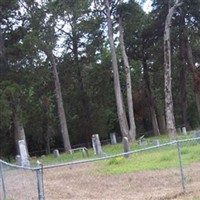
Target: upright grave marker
column 113, row 138
column 96, row 144
column 184, row 131
column 23, row 154
column 56, row 153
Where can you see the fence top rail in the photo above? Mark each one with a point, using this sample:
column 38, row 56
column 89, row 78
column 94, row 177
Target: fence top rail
column 101, row 158
column 18, row 166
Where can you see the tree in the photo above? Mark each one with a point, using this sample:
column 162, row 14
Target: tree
column 167, row 63
column 138, row 41
column 132, row 130
column 118, row 95
column 61, row 112
column 44, row 38
column 10, row 35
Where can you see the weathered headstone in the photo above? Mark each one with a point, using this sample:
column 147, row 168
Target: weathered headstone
column 198, row 135
column 56, row 153
column 96, row 144
column 193, row 133
column 156, row 142
column 23, row 154
column 113, row 138
column 18, row 160
column 126, row 146
column 143, row 142
column 184, row 131
column 179, row 130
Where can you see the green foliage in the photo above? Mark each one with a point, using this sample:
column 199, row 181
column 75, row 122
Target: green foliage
column 84, row 68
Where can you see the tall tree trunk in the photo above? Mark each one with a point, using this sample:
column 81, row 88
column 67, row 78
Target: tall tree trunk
column 61, row 111
column 161, row 121
column 169, row 110
column 132, row 129
column 118, row 94
column 151, row 102
column 2, row 53
column 19, row 132
column 183, row 93
column 197, row 97
column 45, row 125
column 196, row 77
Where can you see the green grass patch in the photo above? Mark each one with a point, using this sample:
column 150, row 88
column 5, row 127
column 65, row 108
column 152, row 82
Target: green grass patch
column 155, row 159
column 151, row 160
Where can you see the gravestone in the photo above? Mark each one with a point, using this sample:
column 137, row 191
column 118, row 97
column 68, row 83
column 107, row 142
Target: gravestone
column 143, row 142
column 18, row 160
column 179, row 130
column 96, row 144
column 126, row 146
column 113, row 138
column 198, row 135
column 56, row 153
column 23, row 154
column 156, row 142
column 184, row 131
column 84, row 153
column 193, row 133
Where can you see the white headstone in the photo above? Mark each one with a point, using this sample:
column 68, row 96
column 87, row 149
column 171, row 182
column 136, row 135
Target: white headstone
column 198, row 135
column 184, row 131
column 18, row 160
column 23, row 154
column 56, row 153
column 156, row 142
column 96, row 144
column 143, row 142
column 113, row 138
column 179, row 130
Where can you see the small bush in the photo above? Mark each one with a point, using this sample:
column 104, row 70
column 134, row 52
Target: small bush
column 116, row 161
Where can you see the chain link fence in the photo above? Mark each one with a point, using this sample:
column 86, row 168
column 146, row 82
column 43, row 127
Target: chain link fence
column 19, row 183
column 161, row 171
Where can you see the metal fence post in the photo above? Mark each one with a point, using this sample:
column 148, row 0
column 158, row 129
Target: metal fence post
column 40, row 182
column 181, row 166
column 2, row 181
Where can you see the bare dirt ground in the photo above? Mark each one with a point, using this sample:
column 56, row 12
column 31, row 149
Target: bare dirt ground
column 85, row 182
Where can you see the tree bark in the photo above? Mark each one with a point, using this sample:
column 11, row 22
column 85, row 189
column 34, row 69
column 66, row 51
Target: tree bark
column 61, row 111
column 151, row 102
column 183, row 93
column 169, row 110
column 196, row 77
column 161, row 121
column 197, row 97
column 19, row 133
column 132, row 129
column 118, row 94
column 2, row 52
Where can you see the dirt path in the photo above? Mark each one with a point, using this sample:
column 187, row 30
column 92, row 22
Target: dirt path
column 84, row 182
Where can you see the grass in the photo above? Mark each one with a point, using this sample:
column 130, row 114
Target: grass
column 160, row 158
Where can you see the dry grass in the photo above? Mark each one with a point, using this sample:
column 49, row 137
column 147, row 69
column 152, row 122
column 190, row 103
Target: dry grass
column 87, row 182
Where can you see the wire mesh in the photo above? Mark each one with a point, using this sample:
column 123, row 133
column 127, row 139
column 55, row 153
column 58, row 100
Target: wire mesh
column 141, row 176
column 190, row 151
column 158, row 171
column 17, row 183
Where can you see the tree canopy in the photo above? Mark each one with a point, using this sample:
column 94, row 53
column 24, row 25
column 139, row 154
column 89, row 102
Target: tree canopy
column 56, row 55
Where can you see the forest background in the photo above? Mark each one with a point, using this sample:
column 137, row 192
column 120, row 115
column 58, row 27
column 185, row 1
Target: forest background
column 57, row 81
